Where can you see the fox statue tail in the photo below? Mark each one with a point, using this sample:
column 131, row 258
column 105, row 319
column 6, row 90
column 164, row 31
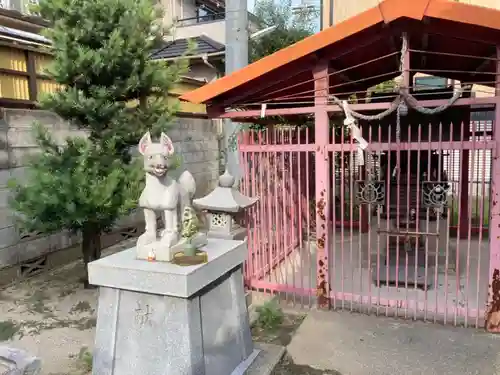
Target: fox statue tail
column 188, row 184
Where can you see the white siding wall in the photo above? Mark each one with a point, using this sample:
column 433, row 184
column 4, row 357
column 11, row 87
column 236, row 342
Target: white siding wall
column 188, row 9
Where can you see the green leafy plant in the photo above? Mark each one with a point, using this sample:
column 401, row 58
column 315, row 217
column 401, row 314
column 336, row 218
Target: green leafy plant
column 113, row 91
column 85, row 359
column 190, row 224
column 270, row 316
column 291, row 26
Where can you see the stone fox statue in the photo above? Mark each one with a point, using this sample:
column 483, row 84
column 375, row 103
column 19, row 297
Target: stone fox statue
column 162, row 192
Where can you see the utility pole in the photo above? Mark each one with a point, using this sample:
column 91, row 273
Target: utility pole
column 236, row 58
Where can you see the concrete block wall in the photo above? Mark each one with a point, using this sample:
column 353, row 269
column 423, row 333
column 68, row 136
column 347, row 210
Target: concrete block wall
column 197, row 142
column 194, row 139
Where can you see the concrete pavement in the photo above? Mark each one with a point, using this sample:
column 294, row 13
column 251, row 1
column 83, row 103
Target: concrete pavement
column 356, row 344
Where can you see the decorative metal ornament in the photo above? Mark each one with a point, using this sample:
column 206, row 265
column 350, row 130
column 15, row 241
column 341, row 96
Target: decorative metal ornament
column 434, row 194
column 370, row 192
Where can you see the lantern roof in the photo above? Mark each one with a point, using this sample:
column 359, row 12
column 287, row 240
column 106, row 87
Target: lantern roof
column 225, row 197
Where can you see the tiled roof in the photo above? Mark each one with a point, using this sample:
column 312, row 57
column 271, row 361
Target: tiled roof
column 178, row 47
column 24, row 35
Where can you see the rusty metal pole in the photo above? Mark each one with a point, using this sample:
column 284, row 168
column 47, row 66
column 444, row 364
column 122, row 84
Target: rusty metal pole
column 492, row 323
column 321, row 136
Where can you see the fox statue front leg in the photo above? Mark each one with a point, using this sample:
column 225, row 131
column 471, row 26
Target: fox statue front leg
column 170, row 235
column 149, row 235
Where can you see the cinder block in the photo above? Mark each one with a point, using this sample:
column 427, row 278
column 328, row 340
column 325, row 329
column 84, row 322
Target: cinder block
column 4, row 159
column 25, row 118
column 9, row 256
column 20, row 137
column 34, row 248
column 6, row 218
column 18, row 362
column 19, row 156
column 8, row 236
column 19, row 174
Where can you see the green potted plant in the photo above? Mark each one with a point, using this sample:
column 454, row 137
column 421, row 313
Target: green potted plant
column 190, row 227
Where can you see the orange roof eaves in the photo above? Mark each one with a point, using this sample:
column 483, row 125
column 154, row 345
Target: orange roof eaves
column 387, row 11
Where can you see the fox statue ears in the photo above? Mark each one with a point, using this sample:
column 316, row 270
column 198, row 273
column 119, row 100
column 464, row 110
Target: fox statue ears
column 165, row 141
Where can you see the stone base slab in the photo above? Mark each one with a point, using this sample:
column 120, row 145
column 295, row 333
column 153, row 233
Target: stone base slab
column 267, row 359
column 124, row 271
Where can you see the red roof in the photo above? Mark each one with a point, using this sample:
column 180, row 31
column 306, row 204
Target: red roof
column 432, row 25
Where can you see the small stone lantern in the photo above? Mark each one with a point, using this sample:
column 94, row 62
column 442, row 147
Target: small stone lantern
column 223, row 204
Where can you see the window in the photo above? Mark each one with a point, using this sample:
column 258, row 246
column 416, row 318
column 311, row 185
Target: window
column 205, row 13
column 430, row 83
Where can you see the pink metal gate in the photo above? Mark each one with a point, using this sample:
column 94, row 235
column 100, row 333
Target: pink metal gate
column 277, row 171
column 406, row 230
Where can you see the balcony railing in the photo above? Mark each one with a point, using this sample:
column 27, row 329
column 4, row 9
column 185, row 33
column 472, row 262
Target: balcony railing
column 200, row 19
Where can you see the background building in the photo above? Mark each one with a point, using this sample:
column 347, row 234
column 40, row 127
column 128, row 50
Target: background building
column 336, row 11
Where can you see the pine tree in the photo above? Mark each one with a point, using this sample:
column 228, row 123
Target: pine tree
column 113, row 91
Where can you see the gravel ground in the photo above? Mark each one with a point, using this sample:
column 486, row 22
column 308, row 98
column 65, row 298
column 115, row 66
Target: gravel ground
column 53, row 317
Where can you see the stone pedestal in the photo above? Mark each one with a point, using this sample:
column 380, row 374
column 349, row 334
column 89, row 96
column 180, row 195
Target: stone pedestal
column 157, row 318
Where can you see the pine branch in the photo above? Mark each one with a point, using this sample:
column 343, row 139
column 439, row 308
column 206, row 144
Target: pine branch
column 102, row 54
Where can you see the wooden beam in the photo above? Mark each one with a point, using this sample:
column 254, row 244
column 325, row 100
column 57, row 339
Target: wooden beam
column 484, row 64
column 394, row 45
column 425, row 45
column 12, row 72
column 17, row 103
column 181, row 114
column 356, row 107
column 20, row 73
column 215, row 111
column 32, row 78
column 344, row 77
column 447, row 29
column 302, row 68
column 26, row 22
column 15, row 45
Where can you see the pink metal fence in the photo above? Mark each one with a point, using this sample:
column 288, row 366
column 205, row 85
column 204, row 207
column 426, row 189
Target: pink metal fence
column 407, row 228
column 275, row 224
